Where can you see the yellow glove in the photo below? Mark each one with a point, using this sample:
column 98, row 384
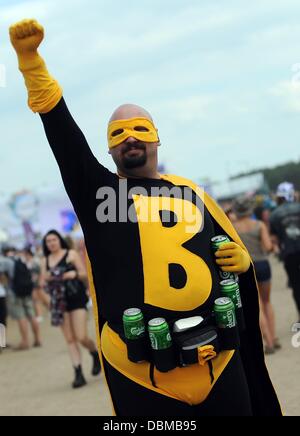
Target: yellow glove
column 43, row 91
column 232, row 258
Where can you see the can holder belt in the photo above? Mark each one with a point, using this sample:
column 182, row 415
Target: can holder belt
column 189, row 343
column 196, row 345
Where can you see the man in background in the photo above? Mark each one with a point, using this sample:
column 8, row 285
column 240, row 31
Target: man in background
column 6, row 276
column 285, row 228
column 20, row 300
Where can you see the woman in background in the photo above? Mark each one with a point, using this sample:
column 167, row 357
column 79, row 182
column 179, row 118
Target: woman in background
column 64, row 275
column 256, row 237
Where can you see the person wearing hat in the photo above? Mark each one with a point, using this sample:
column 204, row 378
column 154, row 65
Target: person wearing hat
column 256, row 237
column 285, row 228
column 148, row 238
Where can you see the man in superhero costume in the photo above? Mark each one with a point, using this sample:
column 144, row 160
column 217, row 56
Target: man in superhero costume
column 155, row 265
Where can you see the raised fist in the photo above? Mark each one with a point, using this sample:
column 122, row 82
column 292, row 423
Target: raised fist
column 26, row 36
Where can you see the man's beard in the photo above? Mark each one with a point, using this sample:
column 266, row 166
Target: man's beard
column 131, row 162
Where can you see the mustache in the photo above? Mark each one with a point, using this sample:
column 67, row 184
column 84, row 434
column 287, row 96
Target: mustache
column 136, row 146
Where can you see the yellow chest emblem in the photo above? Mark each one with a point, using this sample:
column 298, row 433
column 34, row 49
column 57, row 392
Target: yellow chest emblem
column 162, row 246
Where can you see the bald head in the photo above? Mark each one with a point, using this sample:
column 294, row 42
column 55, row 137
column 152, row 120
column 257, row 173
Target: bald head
column 135, row 150
column 127, row 111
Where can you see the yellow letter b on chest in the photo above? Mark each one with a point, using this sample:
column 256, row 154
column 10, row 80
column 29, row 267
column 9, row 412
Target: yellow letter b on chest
column 162, row 246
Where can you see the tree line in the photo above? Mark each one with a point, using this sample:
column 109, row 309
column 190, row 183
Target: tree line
column 288, row 172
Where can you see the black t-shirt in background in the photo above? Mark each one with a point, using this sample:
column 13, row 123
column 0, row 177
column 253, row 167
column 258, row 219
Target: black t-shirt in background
column 285, row 224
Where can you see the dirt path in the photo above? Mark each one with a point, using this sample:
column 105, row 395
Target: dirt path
column 37, row 382
column 284, row 366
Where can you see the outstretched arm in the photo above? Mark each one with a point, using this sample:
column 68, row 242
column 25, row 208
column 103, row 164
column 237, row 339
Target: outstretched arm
column 79, row 168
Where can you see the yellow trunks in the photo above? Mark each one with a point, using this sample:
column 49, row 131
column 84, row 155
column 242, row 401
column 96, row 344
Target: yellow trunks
column 191, row 384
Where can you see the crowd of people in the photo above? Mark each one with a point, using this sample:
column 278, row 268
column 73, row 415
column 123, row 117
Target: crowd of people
column 52, row 278
column 272, row 226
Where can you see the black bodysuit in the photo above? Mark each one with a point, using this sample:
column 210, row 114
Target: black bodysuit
column 136, row 265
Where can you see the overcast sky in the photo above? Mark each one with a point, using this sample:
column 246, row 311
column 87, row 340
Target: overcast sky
column 221, row 79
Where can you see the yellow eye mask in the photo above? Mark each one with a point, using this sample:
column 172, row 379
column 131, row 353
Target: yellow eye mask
column 139, row 128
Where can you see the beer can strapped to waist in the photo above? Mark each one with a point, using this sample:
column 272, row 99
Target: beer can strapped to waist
column 159, row 334
column 230, row 288
column 162, row 345
column 216, row 243
column 225, row 317
column 135, row 335
column 133, row 322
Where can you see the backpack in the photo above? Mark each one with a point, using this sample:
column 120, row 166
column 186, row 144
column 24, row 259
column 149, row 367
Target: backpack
column 22, row 284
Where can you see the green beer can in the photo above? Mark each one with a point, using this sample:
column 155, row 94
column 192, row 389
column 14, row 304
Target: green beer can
column 224, row 313
column 159, row 334
column 230, row 288
column 226, row 321
column 133, row 323
column 216, row 243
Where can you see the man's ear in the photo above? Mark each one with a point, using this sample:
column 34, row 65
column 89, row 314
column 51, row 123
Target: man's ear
column 109, row 152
